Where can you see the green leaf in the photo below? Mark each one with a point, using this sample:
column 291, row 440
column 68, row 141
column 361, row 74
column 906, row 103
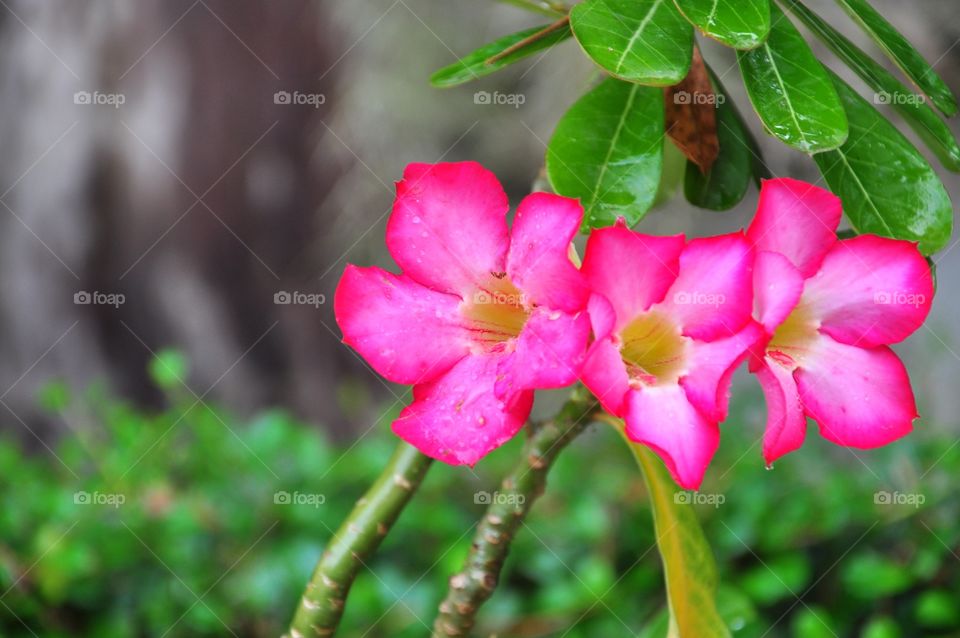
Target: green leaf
column 777, row 578
column 741, row 24
column 688, row 564
column 871, row 576
column 474, row 65
column 169, row 369
column 914, row 110
column 791, row 91
column 608, row 151
column 886, row 185
column 726, row 183
column 902, row 53
column 643, row 41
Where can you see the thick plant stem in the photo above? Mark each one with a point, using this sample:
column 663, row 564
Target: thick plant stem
column 474, row 584
column 357, row 539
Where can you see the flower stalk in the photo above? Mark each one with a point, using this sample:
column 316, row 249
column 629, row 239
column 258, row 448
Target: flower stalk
column 475, row 583
column 321, row 605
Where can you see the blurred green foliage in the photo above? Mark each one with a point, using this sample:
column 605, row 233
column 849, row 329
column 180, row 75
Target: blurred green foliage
column 221, row 523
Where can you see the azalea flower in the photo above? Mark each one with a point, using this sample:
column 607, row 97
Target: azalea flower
column 671, row 320
column 480, row 316
column 829, row 309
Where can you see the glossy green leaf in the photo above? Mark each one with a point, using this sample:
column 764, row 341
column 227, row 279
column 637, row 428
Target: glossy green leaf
column 741, row 24
column 644, row 41
column 791, row 91
column 608, row 151
column 727, row 181
column 902, row 53
column 688, row 563
column 886, row 185
column 922, row 119
column 474, row 65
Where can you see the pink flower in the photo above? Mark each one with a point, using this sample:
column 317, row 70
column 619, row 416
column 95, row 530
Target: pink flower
column 671, row 323
column 830, row 308
column 481, row 314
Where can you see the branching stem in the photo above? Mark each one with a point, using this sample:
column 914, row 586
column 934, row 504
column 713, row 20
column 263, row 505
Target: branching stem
column 475, row 583
column 321, row 605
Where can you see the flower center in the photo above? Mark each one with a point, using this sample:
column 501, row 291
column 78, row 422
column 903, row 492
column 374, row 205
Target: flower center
column 497, row 311
column 654, row 350
column 793, row 337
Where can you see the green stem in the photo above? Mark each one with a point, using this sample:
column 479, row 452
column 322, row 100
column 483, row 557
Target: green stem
column 474, row 584
column 321, row 606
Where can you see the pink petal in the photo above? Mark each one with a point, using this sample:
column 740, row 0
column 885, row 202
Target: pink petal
column 870, row 291
column 457, row 419
column 712, row 365
column 664, row 420
column 777, row 286
column 860, row 397
column 798, row 220
column 713, row 296
column 605, row 375
column 631, row 270
column 786, row 423
column 538, row 262
column 548, row 354
column 602, row 316
column 407, row 332
column 448, row 229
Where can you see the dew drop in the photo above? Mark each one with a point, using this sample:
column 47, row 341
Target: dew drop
column 768, row 466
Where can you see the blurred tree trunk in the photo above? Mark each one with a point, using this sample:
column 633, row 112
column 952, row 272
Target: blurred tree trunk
column 107, row 198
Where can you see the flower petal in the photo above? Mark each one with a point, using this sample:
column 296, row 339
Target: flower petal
column 605, row 375
column 870, row 291
column 711, row 369
column 777, row 286
column 633, row 271
column 602, row 316
column 548, row 353
column 859, row 397
column 407, row 332
column 457, row 419
column 538, row 261
column 786, row 423
column 663, row 419
column 796, row 219
column 448, row 229
column 712, row 297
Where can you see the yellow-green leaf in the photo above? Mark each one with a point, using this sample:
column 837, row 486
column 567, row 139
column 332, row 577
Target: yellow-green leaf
column 688, row 563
